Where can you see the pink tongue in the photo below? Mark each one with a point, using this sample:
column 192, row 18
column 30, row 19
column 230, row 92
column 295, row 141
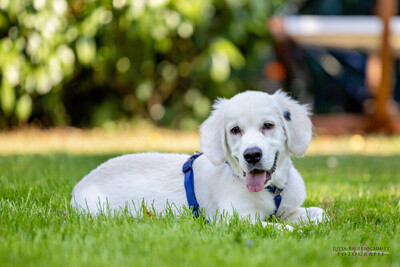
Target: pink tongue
column 255, row 182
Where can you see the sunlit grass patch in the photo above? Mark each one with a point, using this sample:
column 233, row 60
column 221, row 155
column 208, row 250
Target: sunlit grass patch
column 146, row 137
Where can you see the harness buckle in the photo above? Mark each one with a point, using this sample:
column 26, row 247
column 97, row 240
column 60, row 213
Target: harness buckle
column 186, row 166
column 277, row 192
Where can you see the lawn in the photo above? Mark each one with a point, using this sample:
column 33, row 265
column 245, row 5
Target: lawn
column 38, row 228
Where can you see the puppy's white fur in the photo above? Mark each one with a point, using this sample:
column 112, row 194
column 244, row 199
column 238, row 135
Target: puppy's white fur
column 219, row 180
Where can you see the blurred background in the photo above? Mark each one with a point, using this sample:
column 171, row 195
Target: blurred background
column 117, row 63
column 95, row 63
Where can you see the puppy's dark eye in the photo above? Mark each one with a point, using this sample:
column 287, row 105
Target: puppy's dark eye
column 236, row 130
column 268, row 126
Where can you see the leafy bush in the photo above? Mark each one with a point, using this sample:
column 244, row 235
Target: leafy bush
column 86, row 63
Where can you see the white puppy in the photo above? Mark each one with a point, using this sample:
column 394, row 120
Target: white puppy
column 246, row 166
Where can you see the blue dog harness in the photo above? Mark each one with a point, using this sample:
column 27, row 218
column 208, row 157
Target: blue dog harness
column 187, row 169
column 189, row 184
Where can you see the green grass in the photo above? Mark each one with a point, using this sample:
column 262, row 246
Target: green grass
column 38, row 228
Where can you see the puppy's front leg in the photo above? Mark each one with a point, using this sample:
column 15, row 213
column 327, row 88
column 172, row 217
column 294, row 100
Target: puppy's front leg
column 230, row 211
column 312, row 214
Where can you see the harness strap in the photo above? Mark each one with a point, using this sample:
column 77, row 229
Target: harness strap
column 189, row 184
column 277, row 196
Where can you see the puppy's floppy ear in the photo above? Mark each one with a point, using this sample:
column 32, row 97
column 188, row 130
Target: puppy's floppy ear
column 296, row 123
column 212, row 135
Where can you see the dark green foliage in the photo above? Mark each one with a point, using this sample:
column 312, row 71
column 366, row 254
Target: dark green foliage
column 88, row 62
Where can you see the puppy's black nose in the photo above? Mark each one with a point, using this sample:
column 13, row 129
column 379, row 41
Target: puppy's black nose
column 252, row 155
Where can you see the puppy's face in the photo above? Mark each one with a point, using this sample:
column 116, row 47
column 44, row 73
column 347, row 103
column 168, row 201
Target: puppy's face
column 255, row 137
column 252, row 131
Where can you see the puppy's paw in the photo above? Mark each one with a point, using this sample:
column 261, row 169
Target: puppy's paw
column 285, row 227
column 279, row 226
column 316, row 215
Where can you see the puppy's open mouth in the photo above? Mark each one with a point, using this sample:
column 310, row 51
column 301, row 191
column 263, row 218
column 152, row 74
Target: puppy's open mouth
column 257, row 178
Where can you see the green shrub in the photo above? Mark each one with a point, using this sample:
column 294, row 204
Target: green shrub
column 88, row 62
